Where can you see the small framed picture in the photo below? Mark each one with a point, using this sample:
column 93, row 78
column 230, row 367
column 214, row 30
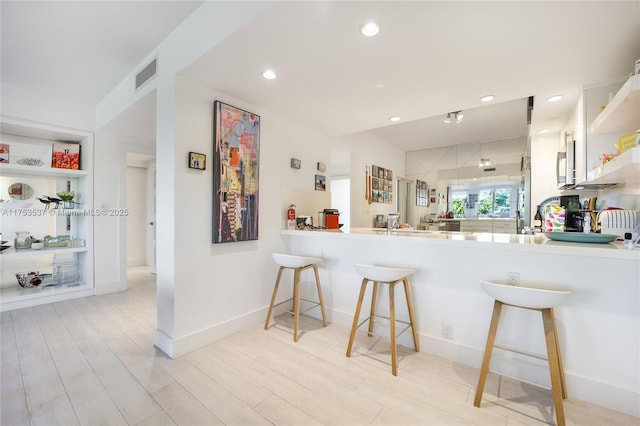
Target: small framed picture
column 197, row 161
column 321, row 183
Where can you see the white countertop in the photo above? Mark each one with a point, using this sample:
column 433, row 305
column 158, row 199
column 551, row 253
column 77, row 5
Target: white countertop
column 516, row 242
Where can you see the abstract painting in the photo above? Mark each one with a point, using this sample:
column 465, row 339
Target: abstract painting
column 235, row 174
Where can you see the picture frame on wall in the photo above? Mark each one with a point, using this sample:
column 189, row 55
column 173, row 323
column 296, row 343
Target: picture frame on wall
column 236, row 161
column 197, row 161
column 321, row 183
column 381, row 188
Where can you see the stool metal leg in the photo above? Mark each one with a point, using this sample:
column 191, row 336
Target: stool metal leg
column 320, row 299
column 491, row 338
column 273, row 297
column 392, row 326
column 296, row 303
column 372, row 313
column 411, row 316
column 356, row 316
column 554, row 366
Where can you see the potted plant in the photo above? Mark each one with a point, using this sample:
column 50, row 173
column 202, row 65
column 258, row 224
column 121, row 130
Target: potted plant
column 67, row 199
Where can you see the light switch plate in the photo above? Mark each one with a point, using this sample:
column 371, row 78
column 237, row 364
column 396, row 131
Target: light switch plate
column 295, row 163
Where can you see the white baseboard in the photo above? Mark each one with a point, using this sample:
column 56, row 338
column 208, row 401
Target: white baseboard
column 177, row 347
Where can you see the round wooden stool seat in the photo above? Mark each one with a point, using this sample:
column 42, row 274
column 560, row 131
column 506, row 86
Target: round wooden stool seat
column 391, row 277
column 537, row 299
column 297, row 264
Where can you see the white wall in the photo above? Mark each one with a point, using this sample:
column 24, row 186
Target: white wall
column 212, row 290
column 137, row 217
column 21, row 102
column 367, row 150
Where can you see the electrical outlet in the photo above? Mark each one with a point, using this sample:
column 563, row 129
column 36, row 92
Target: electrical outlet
column 447, row 331
column 513, row 278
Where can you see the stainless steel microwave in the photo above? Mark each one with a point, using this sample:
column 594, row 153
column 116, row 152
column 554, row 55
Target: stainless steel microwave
column 566, row 164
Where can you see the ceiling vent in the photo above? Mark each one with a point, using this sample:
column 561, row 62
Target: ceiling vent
column 146, row 74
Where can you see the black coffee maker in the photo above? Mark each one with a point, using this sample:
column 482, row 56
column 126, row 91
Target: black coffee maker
column 573, row 215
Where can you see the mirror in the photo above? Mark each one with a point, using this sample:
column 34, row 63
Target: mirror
column 20, row 191
column 467, row 183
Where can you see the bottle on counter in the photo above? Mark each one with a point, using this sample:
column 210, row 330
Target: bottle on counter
column 291, row 217
column 537, row 220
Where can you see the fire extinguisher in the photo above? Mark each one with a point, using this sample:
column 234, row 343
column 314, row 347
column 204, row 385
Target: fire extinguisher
column 291, row 217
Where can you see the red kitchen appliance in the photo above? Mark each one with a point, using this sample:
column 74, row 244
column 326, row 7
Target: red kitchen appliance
column 330, row 219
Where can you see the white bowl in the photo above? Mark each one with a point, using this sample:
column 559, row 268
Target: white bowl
column 37, row 246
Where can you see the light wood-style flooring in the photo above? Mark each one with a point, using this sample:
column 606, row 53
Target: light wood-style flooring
column 91, row 361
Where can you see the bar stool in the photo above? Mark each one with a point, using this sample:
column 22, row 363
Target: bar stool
column 535, row 299
column 297, row 264
column 390, row 276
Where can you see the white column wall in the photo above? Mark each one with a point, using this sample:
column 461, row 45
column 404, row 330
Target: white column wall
column 211, row 290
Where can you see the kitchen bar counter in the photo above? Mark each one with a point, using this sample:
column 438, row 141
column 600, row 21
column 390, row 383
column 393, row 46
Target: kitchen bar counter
column 537, row 243
column 599, row 325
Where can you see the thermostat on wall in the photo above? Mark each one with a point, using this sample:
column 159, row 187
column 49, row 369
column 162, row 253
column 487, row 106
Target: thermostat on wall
column 295, row 163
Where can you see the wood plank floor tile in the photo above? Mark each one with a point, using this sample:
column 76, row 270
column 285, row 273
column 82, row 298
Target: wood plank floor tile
column 234, row 380
column 229, row 408
column 183, row 407
column 91, row 402
column 92, row 361
column 280, row 412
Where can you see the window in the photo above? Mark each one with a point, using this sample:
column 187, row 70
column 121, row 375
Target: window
column 483, row 201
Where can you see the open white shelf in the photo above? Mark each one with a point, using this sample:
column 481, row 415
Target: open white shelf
column 623, row 168
column 622, row 113
column 33, row 216
column 19, row 297
column 41, row 171
column 11, row 252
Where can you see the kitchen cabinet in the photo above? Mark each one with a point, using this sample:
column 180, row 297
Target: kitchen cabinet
column 621, row 115
column 33, row 141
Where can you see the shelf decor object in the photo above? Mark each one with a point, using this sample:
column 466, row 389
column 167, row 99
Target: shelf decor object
column 197, row 161
column 235, row 174
column 65, row 156
column 4, row 153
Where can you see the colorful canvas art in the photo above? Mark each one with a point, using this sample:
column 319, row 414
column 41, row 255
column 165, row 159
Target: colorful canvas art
column 65, row 156
column 235, row 174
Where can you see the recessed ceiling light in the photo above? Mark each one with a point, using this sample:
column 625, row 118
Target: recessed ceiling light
column 370, row 29
column 395, row 118
column 543, row 131
column 487, row 98
column 269, row 74
column 554, row 98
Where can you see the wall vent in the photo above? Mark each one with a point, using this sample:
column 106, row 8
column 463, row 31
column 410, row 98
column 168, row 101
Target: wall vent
column 146, row 74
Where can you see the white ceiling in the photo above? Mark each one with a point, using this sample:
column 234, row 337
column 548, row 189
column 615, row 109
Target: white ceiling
column 429, row 58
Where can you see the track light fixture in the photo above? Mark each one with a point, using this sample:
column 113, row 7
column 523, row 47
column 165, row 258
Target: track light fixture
column 456, row 116
column 484, row 162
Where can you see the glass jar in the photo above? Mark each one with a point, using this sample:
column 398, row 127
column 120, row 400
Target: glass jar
column 22, row 240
